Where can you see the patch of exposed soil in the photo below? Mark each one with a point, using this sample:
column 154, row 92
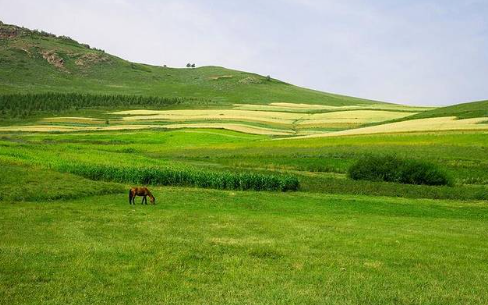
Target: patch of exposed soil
column 251, row 80
column 54, row 59
column 217, row 77
column 89, row 59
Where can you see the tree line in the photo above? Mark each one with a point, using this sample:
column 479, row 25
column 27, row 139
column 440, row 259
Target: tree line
column 25, row 105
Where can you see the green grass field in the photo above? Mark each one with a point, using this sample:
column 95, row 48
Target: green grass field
column 92, row 125
column 197, row 246
column 66, row 239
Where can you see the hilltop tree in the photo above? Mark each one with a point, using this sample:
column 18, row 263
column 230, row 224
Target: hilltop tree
column 188, row 65
column 193, row 65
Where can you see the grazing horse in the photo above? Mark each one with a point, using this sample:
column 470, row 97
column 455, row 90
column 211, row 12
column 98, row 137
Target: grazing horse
column 140, row 191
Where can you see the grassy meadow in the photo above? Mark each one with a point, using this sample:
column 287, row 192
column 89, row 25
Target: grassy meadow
column 69, row 239
column 220, row 247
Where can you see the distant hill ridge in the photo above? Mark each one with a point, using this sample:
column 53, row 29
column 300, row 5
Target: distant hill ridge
column 34, row 61
column 462, row 111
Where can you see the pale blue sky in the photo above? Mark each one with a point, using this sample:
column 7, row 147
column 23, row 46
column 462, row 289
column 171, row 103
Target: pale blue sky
column 413, row 52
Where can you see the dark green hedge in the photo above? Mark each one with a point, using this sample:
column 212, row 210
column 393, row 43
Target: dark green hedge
column 393, row 169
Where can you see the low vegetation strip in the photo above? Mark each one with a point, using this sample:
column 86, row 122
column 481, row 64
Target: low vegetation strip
column 178, row 177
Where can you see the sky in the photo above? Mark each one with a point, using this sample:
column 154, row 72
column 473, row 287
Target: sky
column 431, row 52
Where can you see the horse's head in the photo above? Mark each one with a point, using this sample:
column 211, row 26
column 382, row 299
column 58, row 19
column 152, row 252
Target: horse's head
column 152, row 199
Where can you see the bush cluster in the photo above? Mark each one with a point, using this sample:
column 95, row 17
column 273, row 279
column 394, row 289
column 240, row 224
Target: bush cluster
column 186, row 177
column 393, row 169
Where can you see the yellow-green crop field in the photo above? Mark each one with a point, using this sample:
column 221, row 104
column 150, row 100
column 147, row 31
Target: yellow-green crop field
column 275, row 119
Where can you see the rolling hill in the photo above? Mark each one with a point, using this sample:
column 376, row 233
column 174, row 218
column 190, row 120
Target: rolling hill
column 63, row 76
column 34, row 61
column 461, row 111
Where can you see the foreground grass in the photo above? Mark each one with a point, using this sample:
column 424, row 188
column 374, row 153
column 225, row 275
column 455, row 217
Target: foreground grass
column 203, row 246
column 27, row 183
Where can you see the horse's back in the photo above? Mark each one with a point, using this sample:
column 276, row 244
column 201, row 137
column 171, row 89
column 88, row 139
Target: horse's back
column 140, row 191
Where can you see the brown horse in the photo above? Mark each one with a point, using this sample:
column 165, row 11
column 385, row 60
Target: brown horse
column 140, row 191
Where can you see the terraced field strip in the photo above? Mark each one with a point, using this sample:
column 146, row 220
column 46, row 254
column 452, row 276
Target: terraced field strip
column 83, row 120
column 211, row 115
column 274, row 123
column 235, row 127
column 353, row 117
column 419, row 125
column 290, row 107
column 62, row 128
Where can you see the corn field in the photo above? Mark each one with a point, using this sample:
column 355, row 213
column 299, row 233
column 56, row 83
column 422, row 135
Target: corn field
column 178, row 177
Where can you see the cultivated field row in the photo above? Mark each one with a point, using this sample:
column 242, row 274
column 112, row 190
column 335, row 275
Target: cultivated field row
column 274, row 119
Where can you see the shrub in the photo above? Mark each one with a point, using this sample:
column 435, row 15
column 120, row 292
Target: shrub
column 393, row 169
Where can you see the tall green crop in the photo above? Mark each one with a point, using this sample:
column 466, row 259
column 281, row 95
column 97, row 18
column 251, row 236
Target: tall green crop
column 189, row 177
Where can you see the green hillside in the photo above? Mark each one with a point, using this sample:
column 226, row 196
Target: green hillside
column 33, row 61
column 461, row 111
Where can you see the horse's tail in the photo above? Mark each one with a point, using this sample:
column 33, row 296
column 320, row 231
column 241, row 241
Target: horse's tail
column 130, row 196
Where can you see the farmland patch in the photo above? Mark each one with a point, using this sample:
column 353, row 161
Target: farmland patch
column 419, row 125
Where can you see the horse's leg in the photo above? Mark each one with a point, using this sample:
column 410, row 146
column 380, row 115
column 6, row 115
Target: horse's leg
column 145, row 200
